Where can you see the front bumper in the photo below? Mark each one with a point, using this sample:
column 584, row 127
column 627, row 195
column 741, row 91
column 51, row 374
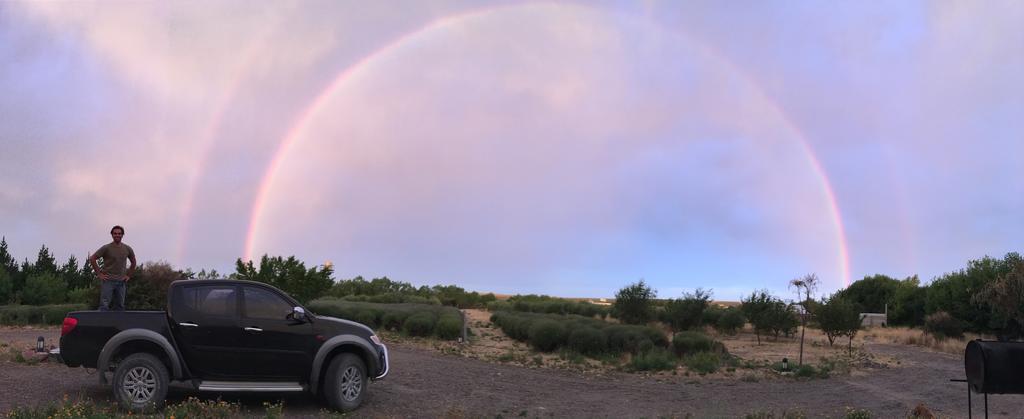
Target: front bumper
column 385, row 363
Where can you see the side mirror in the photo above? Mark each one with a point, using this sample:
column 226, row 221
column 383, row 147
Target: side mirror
column 298, row 314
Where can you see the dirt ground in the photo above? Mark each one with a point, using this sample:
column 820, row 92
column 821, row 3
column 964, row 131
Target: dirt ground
column 481, row 380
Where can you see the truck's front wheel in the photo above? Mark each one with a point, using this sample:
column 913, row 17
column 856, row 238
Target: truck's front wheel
column 140, row 383
column 345, row 385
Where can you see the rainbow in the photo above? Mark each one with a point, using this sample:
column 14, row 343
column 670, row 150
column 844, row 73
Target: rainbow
column 293, row 133
column 206, row 136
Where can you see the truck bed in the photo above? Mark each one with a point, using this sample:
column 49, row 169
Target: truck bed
column 82, row 346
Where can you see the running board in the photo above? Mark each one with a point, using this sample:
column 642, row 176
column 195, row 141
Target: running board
column 252, row 386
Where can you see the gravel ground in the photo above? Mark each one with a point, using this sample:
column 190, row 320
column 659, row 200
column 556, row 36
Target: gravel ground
column 424, row 383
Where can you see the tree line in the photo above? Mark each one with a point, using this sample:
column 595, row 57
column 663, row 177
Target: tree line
column 45, row 282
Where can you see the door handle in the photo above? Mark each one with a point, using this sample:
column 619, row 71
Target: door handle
column 252, row 329
column 188, row 324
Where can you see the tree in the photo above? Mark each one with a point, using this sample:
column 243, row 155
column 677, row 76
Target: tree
column 6, row 287
column 290, row 275
column 757, row 308
column 44, row 288
column 45, row 262
column 953, row 293
column 148, row 288
column 687, row 312
column 908, row 303
column 872, row 293
column 634, row 303
column 839, row 317
column 7, row 261
column 808, row 284
column 1005, row 297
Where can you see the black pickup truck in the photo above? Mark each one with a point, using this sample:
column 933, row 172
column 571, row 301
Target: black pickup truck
column 225, row 336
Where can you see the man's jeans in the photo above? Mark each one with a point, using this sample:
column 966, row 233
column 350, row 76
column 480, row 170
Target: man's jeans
column 112, row 295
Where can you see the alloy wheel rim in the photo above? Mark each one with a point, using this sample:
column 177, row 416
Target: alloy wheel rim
column 351, row 383
column 139, row 384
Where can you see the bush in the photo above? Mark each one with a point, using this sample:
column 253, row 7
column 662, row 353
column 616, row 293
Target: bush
column 42, row 289
column 633, row 304
column 588, row 341
column 703, row 362
column 730, row 321
column 368, row 316
column 449, row 327
column 393, row 320
column 49, row 314
column 688, row 312
column 547, row 335
column 941, row 325
column 89, row 296
column 690, row 342
column 656, row 359
column 623, row 338
column 420, row 324
column 807, row 371
column 389, row 316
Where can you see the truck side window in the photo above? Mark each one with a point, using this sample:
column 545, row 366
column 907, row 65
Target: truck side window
column 217, row 301
column 263, row 304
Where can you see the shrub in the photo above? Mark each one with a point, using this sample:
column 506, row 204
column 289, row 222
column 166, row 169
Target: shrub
column 49, row 314
column 89, row 296
column 656, row 359
column 368, row 316
column 588, row 341
column 547, row 335
column 806, row 371
column 730, row 321
column 703, row 362
column 393, row 320
column 687, row 312
column 623, row 338
column 448, row 327
column 633, row 304
column 44, row 288
column 941, row 324
column 690, row 342
column 420, row 324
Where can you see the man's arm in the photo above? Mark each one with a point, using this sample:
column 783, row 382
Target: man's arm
column 131, row 269
column 96, row 267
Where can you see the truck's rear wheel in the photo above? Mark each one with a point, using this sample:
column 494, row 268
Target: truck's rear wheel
column 140, row 383
column 345, row 383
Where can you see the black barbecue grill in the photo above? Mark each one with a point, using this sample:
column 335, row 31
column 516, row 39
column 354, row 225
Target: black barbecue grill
column 993, row 367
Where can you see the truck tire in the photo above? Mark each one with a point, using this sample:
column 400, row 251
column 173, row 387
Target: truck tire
column 140, row 383
column 345, row 383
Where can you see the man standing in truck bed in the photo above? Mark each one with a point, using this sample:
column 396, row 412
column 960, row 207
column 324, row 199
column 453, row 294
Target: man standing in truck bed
column 113, row 274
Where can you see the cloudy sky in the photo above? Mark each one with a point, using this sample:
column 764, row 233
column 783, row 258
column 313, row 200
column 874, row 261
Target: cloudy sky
column 557, row 147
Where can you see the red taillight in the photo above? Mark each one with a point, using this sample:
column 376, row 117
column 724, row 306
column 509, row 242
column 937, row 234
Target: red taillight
column 69, row 325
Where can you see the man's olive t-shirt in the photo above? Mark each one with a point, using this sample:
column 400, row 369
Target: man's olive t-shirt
column 115, row 258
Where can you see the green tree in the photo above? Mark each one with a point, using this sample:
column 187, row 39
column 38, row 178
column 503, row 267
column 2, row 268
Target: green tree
column 7, row 261
column 908, row 303
column 147, row 290
column 43, row 288
column 6, row 287
column 290, row 275
column 1005, row 297
column 634, row 303
column 687, row 313
column 872, row 293
column 45, row 262
column 953, row 293
column 757, row 308
column 839, row 317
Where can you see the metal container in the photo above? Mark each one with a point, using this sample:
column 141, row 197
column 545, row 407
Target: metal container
column 995, row 367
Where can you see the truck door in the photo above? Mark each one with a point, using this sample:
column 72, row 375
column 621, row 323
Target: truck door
column 274, row 346
column 206, row 320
